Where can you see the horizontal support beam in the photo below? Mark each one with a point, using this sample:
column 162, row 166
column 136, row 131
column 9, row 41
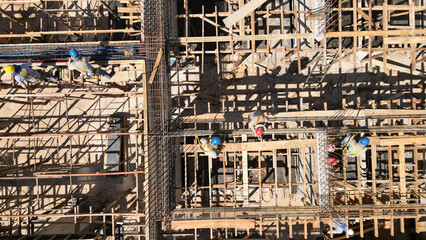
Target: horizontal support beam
column 39, row 34
column 396, row 140
column 404, row 40
column 353, row 114
column 62, row 175
column 370, row 209
column 213, row 223
column 270, row 131
column 184, row 40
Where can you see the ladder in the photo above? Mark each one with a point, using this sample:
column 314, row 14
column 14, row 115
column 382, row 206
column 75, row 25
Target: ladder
column 320, row 69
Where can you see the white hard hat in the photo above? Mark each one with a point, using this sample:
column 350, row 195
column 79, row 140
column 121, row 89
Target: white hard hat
column 350, row 232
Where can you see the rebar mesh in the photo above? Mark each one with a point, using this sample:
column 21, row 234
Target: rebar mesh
column 160, row 154
column 60, row 51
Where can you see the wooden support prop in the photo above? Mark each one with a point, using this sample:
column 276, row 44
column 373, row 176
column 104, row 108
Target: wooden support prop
column 363, row 14
column 242, row 12
column 157, row 62
column 245, row 178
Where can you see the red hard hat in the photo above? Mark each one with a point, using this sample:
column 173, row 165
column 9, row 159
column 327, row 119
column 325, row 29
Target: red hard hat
column 332, row 161
column 259, row 131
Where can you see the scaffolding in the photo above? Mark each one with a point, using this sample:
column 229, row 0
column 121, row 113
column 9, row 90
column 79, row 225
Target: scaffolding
column 319, row 70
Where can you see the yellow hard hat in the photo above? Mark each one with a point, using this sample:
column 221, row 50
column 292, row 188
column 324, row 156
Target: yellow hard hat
column 9, row 69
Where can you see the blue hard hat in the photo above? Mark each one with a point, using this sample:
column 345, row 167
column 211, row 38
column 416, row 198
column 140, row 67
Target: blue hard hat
column 364, row 141
column 73, row 53
column 216, row 140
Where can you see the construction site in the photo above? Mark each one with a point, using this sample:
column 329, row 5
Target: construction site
column 201, row 119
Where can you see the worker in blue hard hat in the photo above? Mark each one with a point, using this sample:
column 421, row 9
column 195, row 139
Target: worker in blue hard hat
column 338, row 226
column 210, row 146
column 81, row 64
column 24, row 74
column 353, row 148
column 216, row 140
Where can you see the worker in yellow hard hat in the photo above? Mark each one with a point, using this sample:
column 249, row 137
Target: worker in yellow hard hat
column 24, row 74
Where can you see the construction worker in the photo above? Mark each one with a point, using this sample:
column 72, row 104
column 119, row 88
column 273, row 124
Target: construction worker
column 352, row 148
column 24, row 74
column 81, row 64
column 257, row 121
column 338, row 227
column 210, row 146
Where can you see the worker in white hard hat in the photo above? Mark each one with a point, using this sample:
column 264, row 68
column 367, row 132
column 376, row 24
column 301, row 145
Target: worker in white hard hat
column 353, row 148
column 210, row 146
column 338, row 226
column 23, row 74
column 81, row 64
column 257, row 121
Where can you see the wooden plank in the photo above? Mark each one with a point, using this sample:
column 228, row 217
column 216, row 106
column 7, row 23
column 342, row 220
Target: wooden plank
column 404, row 40
column 385, row 28
column 242, row 22
column 421, row 226
column 157, row 63
column 245, row 179
column 402, row 175
column 363, row 14
column 355, row 38
column 202, row 45
column 242, row 12
column 264, row 37
column 275, row 166
column 217, row 50
column 39, row 34
column 348, row 114
column 213, row 223
column 269, row 146
column 253, row 42
column 397, row 140
column 400, row 67
column 296, row 21
column 370, row 40
column 129, row 9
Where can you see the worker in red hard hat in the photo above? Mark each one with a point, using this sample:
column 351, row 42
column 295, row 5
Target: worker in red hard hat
column 332, row 161
column 257, row 122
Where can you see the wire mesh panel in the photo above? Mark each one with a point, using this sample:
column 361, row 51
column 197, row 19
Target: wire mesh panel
column 158, row 164
column 323, row 171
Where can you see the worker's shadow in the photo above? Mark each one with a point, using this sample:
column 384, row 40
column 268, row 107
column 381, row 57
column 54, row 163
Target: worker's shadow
column 294, row 66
